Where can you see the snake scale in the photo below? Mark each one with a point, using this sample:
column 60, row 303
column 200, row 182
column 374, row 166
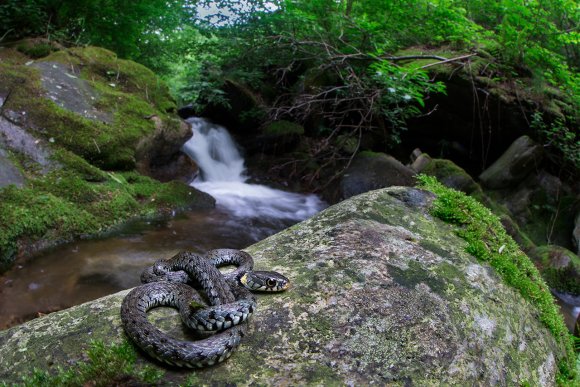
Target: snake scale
column 231, row 304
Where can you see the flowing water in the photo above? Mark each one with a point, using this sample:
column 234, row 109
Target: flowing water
column 85, row 270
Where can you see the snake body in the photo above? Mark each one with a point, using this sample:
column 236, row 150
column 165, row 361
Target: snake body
column 231, row 304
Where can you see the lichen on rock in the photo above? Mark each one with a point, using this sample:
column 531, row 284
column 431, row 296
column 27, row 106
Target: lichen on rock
column 382, row 293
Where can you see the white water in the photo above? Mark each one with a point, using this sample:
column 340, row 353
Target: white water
column 223, row 177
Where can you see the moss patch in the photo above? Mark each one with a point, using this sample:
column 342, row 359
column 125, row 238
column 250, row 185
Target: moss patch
column 283, row 127
column 560, row 268
column 64, row 204
column 105, row 366
column 93, row 185
column 368, row 153
column 453, row 176
column 488, row 241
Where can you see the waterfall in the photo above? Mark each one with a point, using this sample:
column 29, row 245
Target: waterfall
column 215, row 152
column 223, row 177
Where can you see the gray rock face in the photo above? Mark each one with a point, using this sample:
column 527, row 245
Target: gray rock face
column 374, row 171
column 20, row 141
column 9, row 174
column 382, row 293
column 522, row 157
column 66, row 89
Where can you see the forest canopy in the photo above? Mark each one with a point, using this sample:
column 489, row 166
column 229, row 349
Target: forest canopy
column 196, row 46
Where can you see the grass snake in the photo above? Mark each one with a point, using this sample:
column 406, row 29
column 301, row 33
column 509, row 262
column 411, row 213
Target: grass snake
column 167, row 283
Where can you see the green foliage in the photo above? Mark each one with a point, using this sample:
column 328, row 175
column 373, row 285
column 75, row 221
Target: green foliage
column 488, row 241
column 22, row 18
column 402, row 94
column 557, row 135
column 283, row 127
column 106, row 365
column 132, row 29
column 257, row 42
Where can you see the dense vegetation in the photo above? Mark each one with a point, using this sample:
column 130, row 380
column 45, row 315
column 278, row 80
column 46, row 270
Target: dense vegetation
column 348, row 52
column 340, row 69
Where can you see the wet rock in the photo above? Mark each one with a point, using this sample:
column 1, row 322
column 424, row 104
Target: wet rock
column 521, row 158
column 421, row 162
column 370, row 171
column 186, row 111
column 159, row 154
column 3, row 96
column 382, row 294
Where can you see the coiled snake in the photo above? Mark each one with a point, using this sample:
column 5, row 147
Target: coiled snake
column 231, row 305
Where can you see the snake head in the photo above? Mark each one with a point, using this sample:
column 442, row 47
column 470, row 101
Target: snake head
column 265, row 281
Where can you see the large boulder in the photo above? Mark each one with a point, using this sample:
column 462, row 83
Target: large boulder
column 521, row 158
column 370, row 171
column 95, row 105
column 382, row 293
column 79, row 129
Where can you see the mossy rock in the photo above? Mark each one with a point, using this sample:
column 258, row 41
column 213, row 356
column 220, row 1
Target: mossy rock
column 283, row 128
column 383, row 293
column 67, row 119
column 103, row 112
column 560, row 268
column 451, row 175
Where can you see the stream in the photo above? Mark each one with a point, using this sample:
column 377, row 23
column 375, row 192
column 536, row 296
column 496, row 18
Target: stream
column 84, row 270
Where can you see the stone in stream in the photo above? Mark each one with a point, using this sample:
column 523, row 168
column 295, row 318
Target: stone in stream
column 382, row 293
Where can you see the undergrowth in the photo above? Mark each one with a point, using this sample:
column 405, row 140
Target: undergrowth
column 488, row 241
column 107, row 365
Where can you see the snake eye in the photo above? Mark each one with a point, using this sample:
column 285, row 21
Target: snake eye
column 271, row 282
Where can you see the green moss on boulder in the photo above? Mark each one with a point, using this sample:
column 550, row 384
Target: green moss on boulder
column 383, row 293
column 283, row 127
column 560, row 268
column 99, row 123
column 452, row 176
